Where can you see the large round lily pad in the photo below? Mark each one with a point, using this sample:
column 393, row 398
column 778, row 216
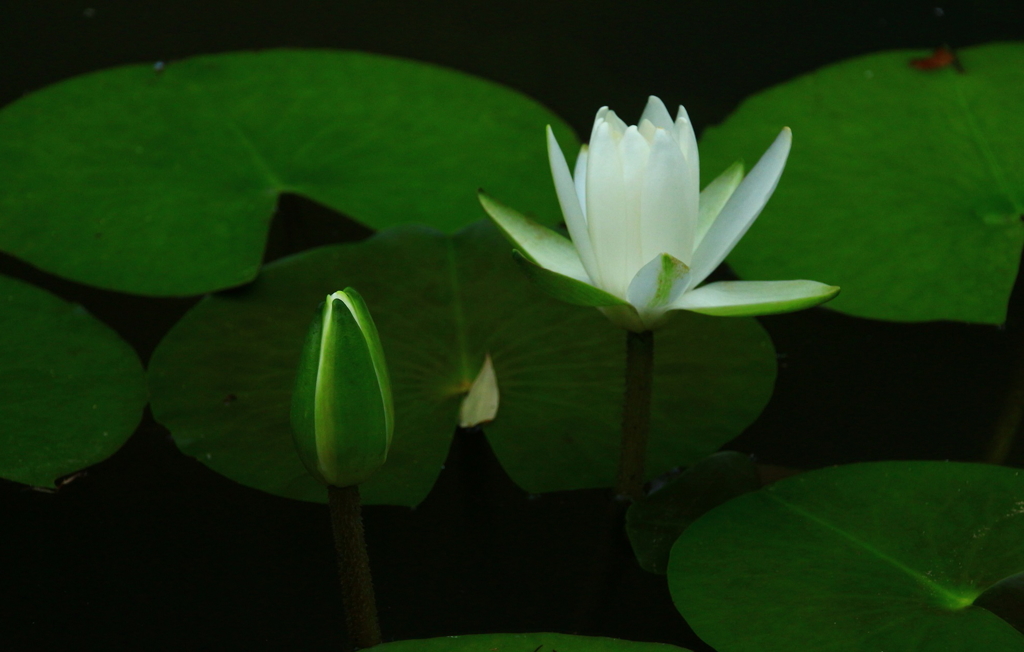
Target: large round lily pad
column 859, row 558
column 163, row 181
column 71, row 390
column 222, row 379
column 524, row 643
column 904, row 186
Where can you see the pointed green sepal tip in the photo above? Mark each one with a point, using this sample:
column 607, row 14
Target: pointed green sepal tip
column 565, row 288
column 342, row 410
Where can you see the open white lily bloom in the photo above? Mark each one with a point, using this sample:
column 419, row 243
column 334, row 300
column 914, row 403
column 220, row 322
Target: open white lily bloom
column 644, row 236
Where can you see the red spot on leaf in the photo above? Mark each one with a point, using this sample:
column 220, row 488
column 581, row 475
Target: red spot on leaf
column 942, row 57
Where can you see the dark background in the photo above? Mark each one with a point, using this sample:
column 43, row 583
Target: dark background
column 151, row 551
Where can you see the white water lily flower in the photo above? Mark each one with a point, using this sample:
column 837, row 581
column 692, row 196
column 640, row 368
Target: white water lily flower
column 644, row 236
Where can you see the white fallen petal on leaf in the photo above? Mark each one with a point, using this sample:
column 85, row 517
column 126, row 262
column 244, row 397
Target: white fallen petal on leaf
column 480, row 405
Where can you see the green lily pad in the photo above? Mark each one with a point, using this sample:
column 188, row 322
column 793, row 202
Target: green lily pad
column 524, row 643
column 904, row 186
column 866, row 557
column 222, row 378
column 71, row 390
column 163, row 182
column 654, row 524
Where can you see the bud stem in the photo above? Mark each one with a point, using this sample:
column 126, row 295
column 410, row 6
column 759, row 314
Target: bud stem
column 636, row 414
column 353, row 567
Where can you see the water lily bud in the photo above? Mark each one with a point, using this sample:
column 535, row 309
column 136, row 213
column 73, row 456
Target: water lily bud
column 342, row 411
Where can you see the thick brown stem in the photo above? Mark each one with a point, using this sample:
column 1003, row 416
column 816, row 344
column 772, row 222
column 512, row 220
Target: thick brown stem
column 636, row 414
column 353, row 567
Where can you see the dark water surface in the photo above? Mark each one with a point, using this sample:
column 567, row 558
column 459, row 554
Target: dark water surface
column 152, row 551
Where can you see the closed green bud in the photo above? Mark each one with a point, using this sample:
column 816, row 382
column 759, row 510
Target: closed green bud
column 342, row 411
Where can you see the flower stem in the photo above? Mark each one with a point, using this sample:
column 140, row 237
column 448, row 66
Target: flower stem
column 1008, row 424
column 353, row 567
column 606, row 568
column 636, row 414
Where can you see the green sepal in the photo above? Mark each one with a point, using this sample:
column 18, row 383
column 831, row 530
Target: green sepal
column 565, row 288
column 536, row 242
column 376, row 349
column 303, row 397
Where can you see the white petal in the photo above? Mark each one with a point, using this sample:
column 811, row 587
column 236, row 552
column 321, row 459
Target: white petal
column 549, row 249
column 598, row 121
column 579, row 177
column 656, row 112
column 713, row 198
column 480, row 405
column 634, row 153
column 571, row 209
column 742, row 209
column 691, row 175
column 687, row 139
column 656, row 286
column 647, row 130
column 615, row 124
column 748, row 298
column 668, row 205
column 606, row 206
